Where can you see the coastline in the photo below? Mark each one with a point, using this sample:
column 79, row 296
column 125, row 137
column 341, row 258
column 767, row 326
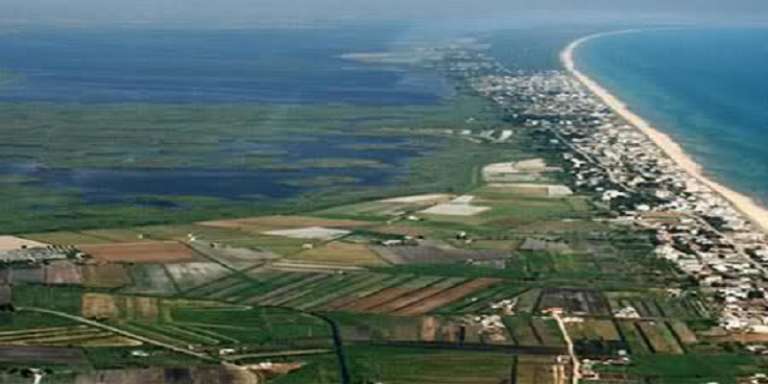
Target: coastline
column 748, row 207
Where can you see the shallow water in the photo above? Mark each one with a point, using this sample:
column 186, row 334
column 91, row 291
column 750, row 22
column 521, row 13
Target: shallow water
column 172, row 67
column 118, row 185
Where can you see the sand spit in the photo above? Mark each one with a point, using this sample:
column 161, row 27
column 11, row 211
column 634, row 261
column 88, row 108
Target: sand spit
column 746, row 205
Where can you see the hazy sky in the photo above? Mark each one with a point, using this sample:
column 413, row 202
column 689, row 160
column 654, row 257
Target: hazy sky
column 223, row 12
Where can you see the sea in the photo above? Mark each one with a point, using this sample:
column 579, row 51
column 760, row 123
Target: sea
column 705, row 87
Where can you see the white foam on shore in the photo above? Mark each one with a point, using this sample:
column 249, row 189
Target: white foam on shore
column 744, row 204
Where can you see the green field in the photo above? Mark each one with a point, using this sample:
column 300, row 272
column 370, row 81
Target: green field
column 168, row 137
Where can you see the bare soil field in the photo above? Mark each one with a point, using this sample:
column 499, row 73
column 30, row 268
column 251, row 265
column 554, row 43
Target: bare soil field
column 540, row 370
column 34, row 275
column 575, row 301
column 353, row 286
column 524, row 189
column 105, row 276
column 150, row 279
column 123, row 376
column 9, row 243
column 388, row 207
column 428, row 328
column 104, row 306
column 447, row 296
column 746, row 338
column 142, row 308
column 6, row 294
column 362, row 292
column 309, row 233
column 451, row 209
column 604, row 329
column 62, row 272
column 79, row 335
column 66, row 339
column 414, row 254
column 44, row 355
column 285, row 289
column 428, row 198
column 142, row 252
column 376, row 299
column 659, row 337
column 385, row 295
column 198, row 375
column 190, row 275
column 340, row 253
column 523, row 332
column 110, row 341
column 99, row 306
column 548, row 332
column 415, row 297
column 403, row 229
column 234, row 257
column 684, row 333
column 532, row 190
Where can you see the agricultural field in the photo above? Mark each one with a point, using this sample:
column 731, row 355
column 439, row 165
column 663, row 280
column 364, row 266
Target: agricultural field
column 398, row 365
column 65, row 238
column 266, row 288
column 456, row 283
column 539, row 370
column 536, row 333
column 404, row 295
column 471, row 259
column 141, row 252
column 340, row 252
column 105, row 276
column 660, row 305
column 574, row 301
column 275, row 223
column 104, row 137
column 437, row 254
column 8, row 243
column 80, row 335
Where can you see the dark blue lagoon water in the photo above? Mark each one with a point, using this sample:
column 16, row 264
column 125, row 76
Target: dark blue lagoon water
column 181, row 66
column 86, row 69
column 296, row 168
column 707, row 88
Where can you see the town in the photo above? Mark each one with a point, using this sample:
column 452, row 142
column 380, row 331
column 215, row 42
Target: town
column 695, row 228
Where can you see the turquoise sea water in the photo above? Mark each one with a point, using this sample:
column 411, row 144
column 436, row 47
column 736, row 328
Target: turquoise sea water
column 707, row 88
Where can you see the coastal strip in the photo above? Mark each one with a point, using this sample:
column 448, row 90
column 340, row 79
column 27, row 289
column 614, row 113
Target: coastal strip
column 753, row 211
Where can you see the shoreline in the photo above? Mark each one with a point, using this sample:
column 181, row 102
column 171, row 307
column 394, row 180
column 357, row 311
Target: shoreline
column 747, row 206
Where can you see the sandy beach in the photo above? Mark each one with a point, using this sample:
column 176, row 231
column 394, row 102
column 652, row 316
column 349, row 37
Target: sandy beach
column 745, row 204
